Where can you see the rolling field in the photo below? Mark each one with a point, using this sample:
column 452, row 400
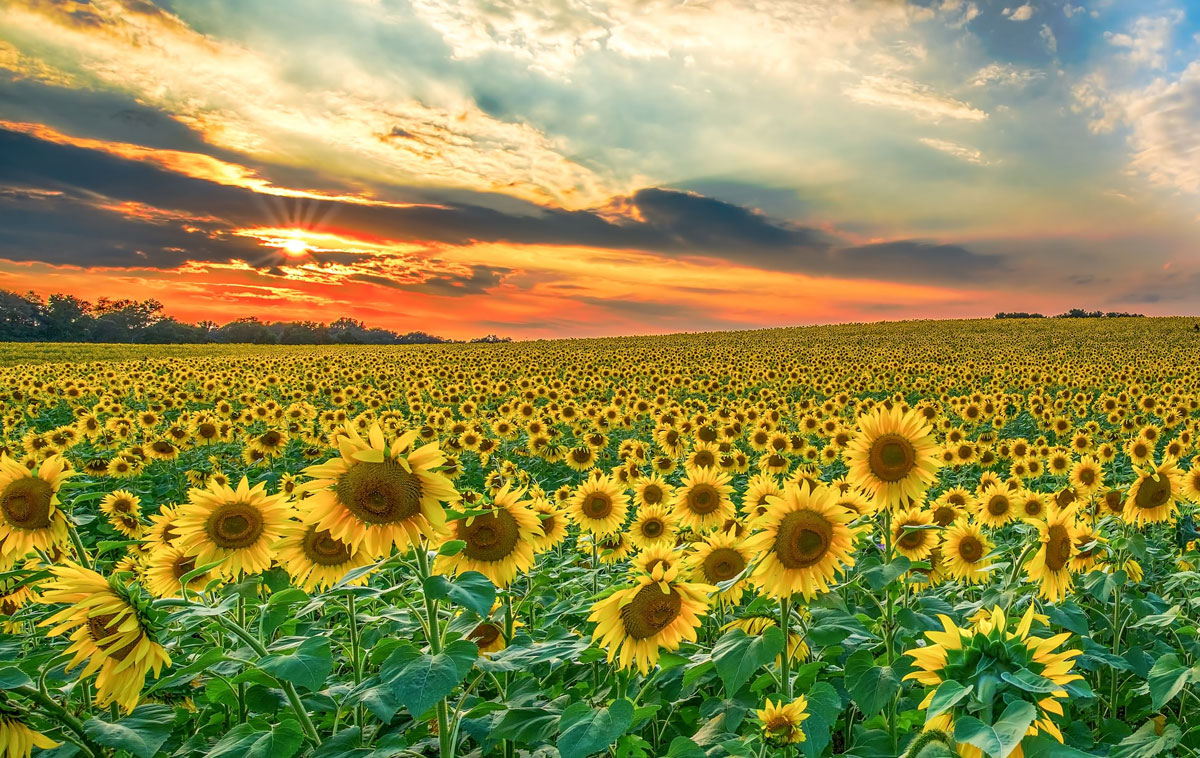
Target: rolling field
column 969, row 538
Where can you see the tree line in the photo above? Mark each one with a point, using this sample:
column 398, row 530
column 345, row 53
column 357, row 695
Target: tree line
column 1073, row 313
column 66, row 318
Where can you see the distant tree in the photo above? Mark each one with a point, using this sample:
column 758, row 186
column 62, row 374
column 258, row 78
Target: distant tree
column 1019, row 314
column 169, row 331
column 67, row 318
column 304, row 333
column 491, row 338
column 21, row 317
column 247, row 330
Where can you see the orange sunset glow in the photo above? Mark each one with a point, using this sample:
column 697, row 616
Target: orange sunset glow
column 722, row 166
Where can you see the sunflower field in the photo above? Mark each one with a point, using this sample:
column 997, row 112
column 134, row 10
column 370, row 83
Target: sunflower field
column 920, row 539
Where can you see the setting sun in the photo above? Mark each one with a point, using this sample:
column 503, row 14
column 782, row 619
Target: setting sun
column 295, row 247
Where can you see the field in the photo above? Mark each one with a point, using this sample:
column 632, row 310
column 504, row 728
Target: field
column 924, row 539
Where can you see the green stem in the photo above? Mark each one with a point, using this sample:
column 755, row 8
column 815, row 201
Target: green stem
column 360, row 712
column 72, row 723
column 289, row 689
column 84, row 560
column 446, row 741
column 506, row 746
column 243, row 709
column 785, row 660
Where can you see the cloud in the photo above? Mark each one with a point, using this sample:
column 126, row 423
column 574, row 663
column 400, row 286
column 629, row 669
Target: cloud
column 1147, row 40
column 968, row 154
column 1005, row 74
column 910, row 260
column 917, row 99
column 1021, row 13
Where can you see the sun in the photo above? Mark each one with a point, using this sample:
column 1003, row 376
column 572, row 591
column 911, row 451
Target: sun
column 295, row 247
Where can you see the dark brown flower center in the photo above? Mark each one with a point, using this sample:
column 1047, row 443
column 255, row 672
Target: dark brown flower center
column 803, row 539
column 970, row 549
column 26, row 502
column 323, row 549
column 103, row 626
column 1153, row 494
column 380, row 493
column 491, row 537
column 485, row 634
column 650, row 611
column 891, row 457
column 597, row 505
column 653, row 528
column 652, row 494
column 723, row 564
column 1058, row 547
column 234, row 526
column 944, row 515
column 997, row 505
column 703, row 499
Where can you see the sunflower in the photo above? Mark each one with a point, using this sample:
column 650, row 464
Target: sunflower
column 166, row 566
column 488, row 636
column 163, row 530
column 234, row 526
column 121, row 502
column 653, row 525
column 893, row 456
column 758, row 489
column 657, row 612
column 553, row 522
column 1088, row 549
column 1029, row 505
column 781, row 722
column 378, row 496
column 720, row 558
column 1191, row 482
column 109, row 630
column 499, row 543
column 652, row 490
column 912, row 535
column 18, row 739
column 599, row 506
column 660, row 554
column 965, row 550
column 611, row 548
column 702, row 502
column 995, row 508
column 1087, row 475
column 803, row 541
column 29, row 514
column 315, row 559
column 956, row 654
column 1152, row 497
column 1051, row 565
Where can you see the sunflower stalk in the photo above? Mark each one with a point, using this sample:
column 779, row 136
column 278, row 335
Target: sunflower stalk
column 446, row 741
column 64, row 716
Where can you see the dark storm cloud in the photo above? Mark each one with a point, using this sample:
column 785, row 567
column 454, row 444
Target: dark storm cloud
column 479, row 280
column 670, row 223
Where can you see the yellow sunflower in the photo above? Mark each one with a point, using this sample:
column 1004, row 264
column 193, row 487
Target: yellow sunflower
column 781, row 722
column 702, row 502
column 652, row 490
column 653, row 525
column 995, row 507
column 18, row 739
column 166, row 566
column 657, row 612
column 797, row 648
column 599, row 506
column 719, row 558
column 893, row 456
column 803, row 542
column 1153, row 496
column 315, row 559
column 1051, row 565
column 376, row 495
column 965, row 550
column 29, row 514
column 234, row 526
column 553, row 522
column 108, row 631
column 499, row 542
column 660, row 554
column 912, row 535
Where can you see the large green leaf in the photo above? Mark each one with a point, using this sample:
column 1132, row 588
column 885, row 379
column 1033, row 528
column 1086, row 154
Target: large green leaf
column 824, row 705
column 419, row 680
column 1146, row 742
column 1030, row 682
column 872, row 686
column 141, row 733
column 306, row 667
column 682, row 747
column 526, row 726
column 997, row 740
column 948, row 694
column 738, row 655
column 252, row 741
column 470, row 589
column 585, row 731
column 12, row 677
column 1167, row 677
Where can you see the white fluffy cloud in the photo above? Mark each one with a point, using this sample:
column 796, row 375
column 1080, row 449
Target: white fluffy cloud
column 915, row 98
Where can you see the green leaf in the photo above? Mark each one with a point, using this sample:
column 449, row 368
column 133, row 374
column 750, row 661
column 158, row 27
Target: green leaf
column 1146, row 742
column 584, row 731
column 738, row 655
column 824, row 705
column 871, row 686
column 419, row 680
column 1000, row 739
column 250, row 741
column 682, row 747
column 948, row 694
column 883, row 574
column 1030, row 682
column 451, row 547
column 141, row 733
column 307, row 667
column 12, row 677
column 470, row 589
column 526, row 726
column 1167, row 677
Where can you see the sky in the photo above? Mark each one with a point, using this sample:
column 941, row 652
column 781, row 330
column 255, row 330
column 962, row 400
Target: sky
column 553, row 168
